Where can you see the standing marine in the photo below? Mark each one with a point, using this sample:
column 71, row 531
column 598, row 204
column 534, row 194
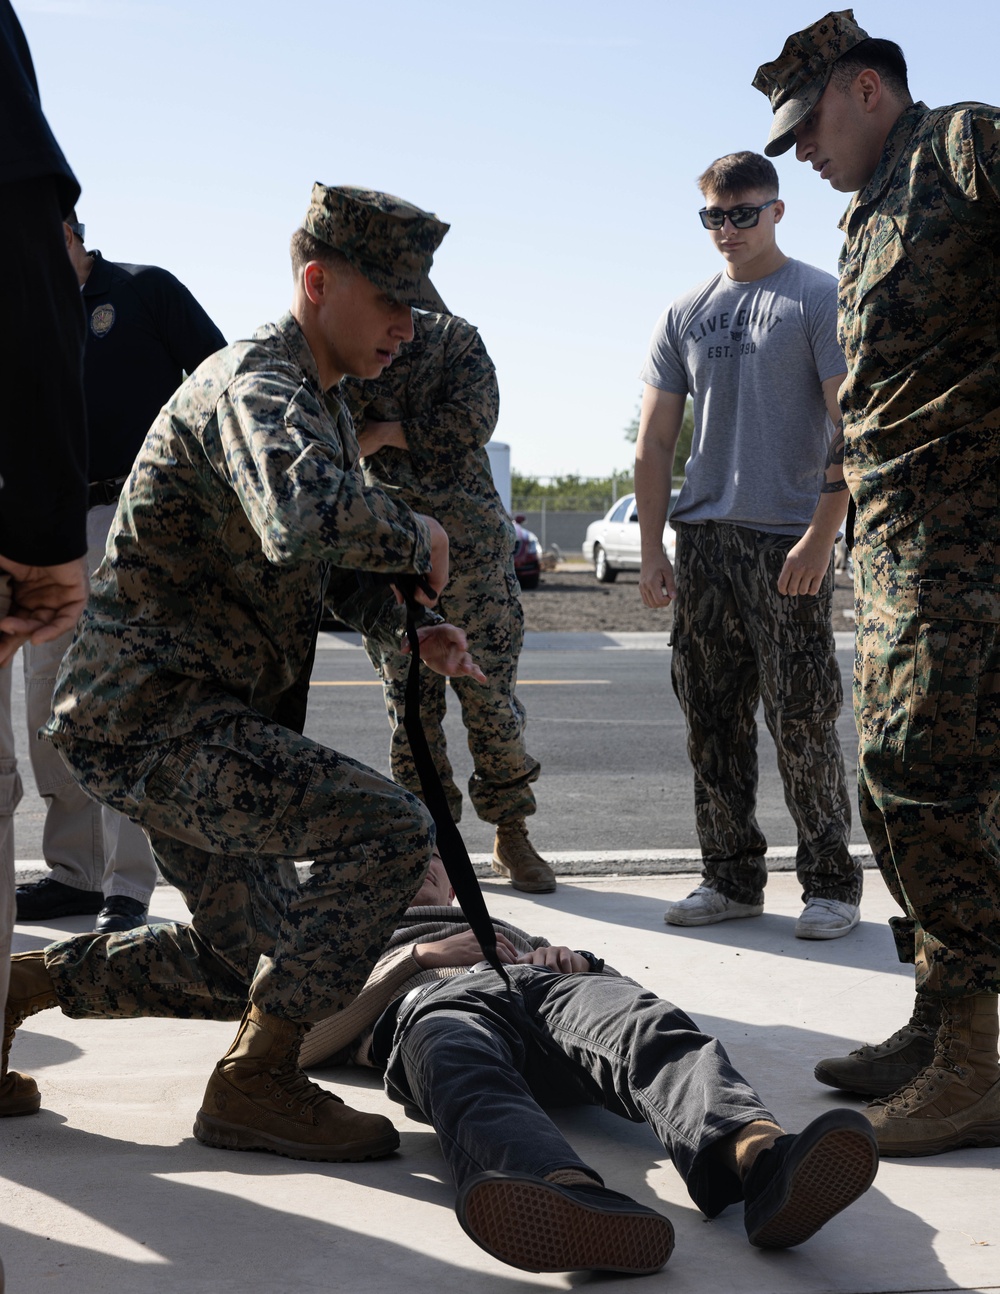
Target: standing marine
column 920, row 330
column 423, row 427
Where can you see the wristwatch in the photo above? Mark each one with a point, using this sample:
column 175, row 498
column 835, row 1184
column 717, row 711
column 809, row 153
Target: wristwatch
column 595, row 963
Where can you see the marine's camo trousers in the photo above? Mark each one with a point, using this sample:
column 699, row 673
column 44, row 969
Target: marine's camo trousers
column 927, row 704
column 486, row 604
column 737, row 640
column 229, row 810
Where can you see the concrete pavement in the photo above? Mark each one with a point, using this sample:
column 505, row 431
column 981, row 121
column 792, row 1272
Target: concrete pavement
column 105, row 1190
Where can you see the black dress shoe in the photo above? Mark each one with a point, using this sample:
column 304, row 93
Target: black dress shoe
column 120, row 913
column 39, row 900
column 804, row 1180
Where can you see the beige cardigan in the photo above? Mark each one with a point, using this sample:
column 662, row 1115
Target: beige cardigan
column 347, row 1035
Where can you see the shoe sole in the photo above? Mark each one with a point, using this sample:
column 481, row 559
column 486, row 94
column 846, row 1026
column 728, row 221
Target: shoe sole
column 544, row 887
column 986, row 1137
column 831, row 1175
column 231, row 1136
column 16, row 1109
column 710, row 920
column 64, row 910
column 530, row 1224
column 825, row 934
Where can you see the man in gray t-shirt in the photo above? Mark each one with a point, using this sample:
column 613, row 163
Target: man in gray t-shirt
column 762, row 502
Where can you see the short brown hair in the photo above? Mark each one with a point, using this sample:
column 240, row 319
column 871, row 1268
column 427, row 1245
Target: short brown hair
column 305, row 248
column 737, row 173
column 882, row 56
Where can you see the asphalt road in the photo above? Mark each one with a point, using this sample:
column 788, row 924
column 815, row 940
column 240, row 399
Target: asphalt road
column 604, row 724
column 607, row 730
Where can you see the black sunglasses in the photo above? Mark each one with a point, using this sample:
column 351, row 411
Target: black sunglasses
column 739, row 217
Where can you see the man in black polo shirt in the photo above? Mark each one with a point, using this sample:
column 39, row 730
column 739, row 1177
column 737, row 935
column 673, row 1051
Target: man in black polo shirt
column 43, row 451
column 144, row 330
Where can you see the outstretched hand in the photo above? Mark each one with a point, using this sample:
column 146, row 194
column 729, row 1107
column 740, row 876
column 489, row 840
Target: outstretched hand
column 444, row 649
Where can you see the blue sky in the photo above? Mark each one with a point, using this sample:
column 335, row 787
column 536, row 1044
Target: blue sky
column 561, row 140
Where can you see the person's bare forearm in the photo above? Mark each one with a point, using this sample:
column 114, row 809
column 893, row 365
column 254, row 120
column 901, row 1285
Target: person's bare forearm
column 807, row 562
column 833, row 496
column 660, row 420
column 654, row 465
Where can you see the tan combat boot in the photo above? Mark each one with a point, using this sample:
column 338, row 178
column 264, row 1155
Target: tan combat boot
column 515, row 856
column 882, row 1068
column 31, row 990
column 955, row 1101
column 259, row 1099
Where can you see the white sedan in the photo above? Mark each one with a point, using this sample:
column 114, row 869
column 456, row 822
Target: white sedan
column 612, row 543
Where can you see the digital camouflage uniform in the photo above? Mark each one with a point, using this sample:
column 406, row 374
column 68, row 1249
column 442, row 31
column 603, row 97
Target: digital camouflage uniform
column 180, row 702
column 443, row 389
column 919, row 327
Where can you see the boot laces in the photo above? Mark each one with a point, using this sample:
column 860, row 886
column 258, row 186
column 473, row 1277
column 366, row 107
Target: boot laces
column 926, row 1085
column 869, row 1049
column 299, row 1089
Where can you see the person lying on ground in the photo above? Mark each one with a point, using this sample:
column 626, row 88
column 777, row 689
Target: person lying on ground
column 479, row 1062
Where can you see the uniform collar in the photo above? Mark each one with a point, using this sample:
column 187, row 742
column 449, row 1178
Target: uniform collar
column 100, row 278
column 896, row 142
column 294, row 338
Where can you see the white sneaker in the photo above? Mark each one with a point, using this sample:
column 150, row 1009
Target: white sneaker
column 703, row 907
column 827, row 919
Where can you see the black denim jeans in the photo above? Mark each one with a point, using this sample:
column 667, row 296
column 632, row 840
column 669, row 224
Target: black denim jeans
column 480, row 1063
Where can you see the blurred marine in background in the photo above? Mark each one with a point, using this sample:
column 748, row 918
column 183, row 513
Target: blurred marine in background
column 423, row 427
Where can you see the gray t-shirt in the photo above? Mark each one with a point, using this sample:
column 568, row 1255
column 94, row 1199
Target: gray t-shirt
column 752, row 357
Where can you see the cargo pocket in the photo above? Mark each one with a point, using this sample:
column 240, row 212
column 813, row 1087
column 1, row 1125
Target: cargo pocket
column 954, row 702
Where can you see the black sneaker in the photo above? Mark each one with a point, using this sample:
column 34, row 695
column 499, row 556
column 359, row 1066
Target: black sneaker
column 120, row 913
column 540, row 1227
column 804, row 1180
column 40, row 900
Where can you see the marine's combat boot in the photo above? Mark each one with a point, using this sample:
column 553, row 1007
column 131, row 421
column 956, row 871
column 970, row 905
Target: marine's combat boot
column 31, row 990
column 955, row 1101
column 259, row 1099
column 882, row 1068
column 515, row 856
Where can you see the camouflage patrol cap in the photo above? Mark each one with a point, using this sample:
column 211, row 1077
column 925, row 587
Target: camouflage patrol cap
column 795, row 81
column 391, row 242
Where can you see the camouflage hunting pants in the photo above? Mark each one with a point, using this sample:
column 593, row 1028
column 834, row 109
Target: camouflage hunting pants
column 486, row 604
column 736, row 641
column 229, row 809
column 927, row 705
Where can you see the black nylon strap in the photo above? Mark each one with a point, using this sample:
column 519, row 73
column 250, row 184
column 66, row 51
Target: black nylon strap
column 451, row 846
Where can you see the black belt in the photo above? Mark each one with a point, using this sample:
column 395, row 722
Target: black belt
column 104, row 492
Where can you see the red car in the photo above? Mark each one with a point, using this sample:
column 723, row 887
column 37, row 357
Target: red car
column 527, row 555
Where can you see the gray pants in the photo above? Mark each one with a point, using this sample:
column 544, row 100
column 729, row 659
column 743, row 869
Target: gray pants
column 737, row 641
column 86, row 846
column 480, row 1062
